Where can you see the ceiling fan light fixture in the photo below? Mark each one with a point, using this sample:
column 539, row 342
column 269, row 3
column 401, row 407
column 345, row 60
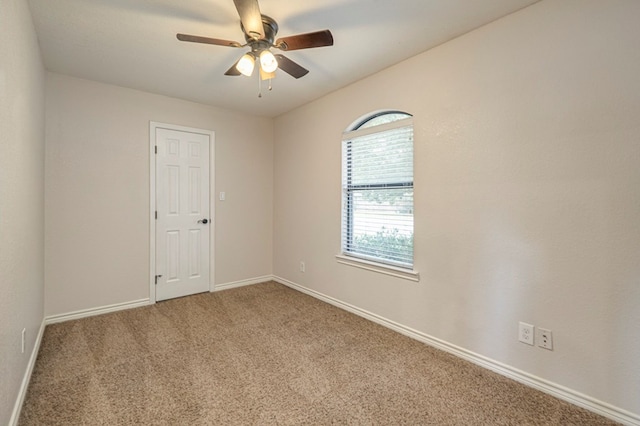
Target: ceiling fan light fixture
column 246, row 64
column 268, row 62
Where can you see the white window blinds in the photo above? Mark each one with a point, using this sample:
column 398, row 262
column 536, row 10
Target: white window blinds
column 377, row 186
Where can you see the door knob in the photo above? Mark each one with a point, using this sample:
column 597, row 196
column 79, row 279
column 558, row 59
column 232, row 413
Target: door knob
column 203, row 221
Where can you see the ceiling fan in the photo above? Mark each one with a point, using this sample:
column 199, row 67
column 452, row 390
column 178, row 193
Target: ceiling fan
column 260, row 32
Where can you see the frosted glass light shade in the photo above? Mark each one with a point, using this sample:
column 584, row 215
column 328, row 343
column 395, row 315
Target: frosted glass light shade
column 246, row 64
column 268, row 62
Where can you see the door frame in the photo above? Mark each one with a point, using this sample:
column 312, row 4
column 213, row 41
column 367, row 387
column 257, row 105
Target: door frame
column 153, row 125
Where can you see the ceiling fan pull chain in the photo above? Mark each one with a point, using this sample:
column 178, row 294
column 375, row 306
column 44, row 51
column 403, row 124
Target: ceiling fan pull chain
column 270, row 86
column 259, row 86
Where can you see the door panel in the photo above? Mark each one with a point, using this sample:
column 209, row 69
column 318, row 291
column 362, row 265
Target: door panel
column 182, row 200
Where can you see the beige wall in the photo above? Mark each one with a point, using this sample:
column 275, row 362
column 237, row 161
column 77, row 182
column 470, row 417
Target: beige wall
column 527, row 193
column 97, row 191
column 21, row 196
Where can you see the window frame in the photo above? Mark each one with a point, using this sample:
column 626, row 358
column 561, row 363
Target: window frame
column 354, row 258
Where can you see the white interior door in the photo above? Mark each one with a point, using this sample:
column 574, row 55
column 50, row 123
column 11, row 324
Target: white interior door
column 183, row 218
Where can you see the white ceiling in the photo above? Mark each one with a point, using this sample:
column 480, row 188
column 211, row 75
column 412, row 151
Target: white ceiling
column 132, row 43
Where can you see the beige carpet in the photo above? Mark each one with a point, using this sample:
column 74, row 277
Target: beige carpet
column 264, row 355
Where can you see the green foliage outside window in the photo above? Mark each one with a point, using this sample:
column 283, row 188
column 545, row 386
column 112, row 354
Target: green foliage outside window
column 385, row 244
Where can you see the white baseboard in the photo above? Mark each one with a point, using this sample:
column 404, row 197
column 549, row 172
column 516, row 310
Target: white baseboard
column 554, row 389
column 22, row 392
column 84, row 313
column 242, row 283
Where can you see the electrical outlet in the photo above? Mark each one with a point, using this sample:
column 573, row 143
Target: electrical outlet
column 303, row 267
column 545, row 339
column 24, row 334
column 525, row 333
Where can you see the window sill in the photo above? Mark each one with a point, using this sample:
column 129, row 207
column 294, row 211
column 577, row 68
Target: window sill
column 406, row 274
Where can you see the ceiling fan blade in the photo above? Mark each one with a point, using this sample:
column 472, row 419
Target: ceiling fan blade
column 251, row 18
column 290, row 67
column 233, row 71
column 207, row 40
column 305, row 41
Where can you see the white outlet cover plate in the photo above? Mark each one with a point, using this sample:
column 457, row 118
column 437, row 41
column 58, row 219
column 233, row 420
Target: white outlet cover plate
column 525, row 333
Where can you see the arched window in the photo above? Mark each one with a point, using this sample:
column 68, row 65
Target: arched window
column 377, row 189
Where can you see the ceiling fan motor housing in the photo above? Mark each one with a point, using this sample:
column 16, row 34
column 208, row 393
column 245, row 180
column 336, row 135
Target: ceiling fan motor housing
column 270, row 31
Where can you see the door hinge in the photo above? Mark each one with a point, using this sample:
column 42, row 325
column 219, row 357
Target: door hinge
column 156, row 149
column 157, row 276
